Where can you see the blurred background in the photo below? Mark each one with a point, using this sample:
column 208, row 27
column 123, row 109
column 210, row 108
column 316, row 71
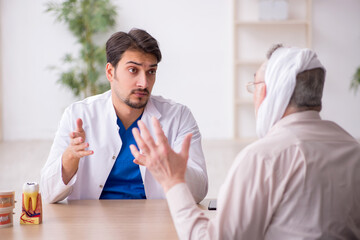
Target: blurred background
column 210, row 50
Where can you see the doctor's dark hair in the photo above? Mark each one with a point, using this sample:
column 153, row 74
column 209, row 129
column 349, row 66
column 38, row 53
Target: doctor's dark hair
column 136, row 39
column 309, row 86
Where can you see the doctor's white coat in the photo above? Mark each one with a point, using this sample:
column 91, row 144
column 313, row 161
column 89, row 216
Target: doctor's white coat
column 102, row 134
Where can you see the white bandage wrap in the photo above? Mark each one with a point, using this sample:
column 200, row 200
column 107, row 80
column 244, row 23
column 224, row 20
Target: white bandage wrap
column 280, row 80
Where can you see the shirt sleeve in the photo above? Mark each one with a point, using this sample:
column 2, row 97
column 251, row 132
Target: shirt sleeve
column 196, row 174
column 190, row 222
column 52, row 186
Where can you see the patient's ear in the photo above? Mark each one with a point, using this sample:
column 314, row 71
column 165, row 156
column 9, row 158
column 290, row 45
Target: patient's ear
column 262, row 92
column 110, row 72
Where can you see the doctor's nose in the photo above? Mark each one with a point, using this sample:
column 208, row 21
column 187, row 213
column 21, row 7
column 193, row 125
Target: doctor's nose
column 142, row 81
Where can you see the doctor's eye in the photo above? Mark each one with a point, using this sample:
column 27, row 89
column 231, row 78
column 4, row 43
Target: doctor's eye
column 152, row 71
column 132, row 70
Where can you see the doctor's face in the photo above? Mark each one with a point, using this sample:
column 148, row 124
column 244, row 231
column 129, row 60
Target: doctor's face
column 133, row 78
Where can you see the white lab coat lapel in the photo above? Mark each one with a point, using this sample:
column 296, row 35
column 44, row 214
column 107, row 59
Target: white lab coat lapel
column 148, row 180
column 114, row 145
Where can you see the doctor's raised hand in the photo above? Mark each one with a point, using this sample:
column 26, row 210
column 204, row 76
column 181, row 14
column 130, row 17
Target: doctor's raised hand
column 76, row 150
column 167, row 166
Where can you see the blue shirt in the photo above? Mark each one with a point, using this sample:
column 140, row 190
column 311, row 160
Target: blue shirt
column 124, row 181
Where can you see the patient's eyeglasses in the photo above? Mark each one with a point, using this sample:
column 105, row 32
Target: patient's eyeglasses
column 250, row 86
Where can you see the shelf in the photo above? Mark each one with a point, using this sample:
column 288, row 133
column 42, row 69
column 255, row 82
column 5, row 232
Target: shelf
column 249, row 63
column 272, row 23
column 244, row 101
column 252, row 38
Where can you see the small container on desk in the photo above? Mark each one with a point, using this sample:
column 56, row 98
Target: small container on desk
column 7, row 204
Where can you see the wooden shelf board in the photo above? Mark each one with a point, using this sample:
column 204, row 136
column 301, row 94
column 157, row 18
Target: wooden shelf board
column 243, row 101
column 267, row 23
column 248, row 63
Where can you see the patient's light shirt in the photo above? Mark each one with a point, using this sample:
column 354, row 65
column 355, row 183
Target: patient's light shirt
column 301, row 181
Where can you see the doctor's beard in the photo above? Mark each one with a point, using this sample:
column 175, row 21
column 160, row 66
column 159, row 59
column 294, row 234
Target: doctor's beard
column 137, row 105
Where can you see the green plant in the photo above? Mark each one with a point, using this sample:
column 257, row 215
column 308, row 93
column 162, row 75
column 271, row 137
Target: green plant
column 356, row 80
column 85, row 19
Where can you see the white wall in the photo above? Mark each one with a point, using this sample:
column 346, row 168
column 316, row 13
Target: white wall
column 196, row 41
column 336, row 39
column 33, row 102
column 194, row 38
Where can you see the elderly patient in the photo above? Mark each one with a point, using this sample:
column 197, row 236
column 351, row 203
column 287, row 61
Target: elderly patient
column 300, row 180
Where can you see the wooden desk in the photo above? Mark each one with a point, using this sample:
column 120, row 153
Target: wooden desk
column 99, row 219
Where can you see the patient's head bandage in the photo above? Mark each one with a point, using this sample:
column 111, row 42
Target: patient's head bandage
column 280, row 80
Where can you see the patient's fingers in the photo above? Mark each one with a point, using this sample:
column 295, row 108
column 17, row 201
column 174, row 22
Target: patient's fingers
column 186, row 146
column 140, row 142
column 139, row 158
column 146, row 136
column 161, row 138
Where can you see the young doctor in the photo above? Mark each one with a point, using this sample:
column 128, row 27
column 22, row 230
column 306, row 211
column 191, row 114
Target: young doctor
column 90, row 156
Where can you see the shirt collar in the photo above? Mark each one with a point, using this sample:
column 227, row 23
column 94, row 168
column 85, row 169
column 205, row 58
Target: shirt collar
column 295, row 117
column 151, row 110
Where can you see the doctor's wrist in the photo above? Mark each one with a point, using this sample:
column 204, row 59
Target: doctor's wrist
column 69, row 166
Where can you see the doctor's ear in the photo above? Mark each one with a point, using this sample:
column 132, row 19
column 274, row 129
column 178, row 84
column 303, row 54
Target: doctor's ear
column 110, row 72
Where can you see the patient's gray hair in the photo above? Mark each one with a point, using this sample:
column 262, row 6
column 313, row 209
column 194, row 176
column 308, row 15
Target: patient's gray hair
column 308, row 90
column 309, row 86
column 273, row 49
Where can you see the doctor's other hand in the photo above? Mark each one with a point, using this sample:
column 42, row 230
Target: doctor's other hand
column 75, row 151
column 167, row 166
